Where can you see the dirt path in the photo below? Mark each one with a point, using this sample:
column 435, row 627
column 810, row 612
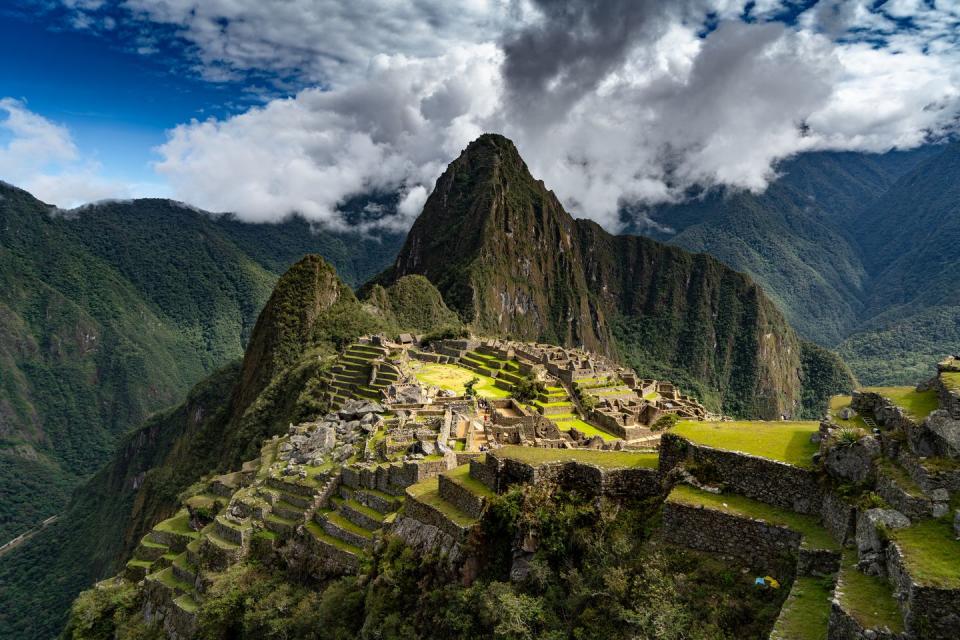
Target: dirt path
column 23, row 537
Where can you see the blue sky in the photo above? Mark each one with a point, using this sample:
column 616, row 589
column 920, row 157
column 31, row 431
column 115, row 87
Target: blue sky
column 269, row 108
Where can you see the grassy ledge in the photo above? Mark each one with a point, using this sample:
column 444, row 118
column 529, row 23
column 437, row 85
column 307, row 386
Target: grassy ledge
column 839, row 403
column 917, row 404
column 814, row 535
column 806, row 613
column 951, row 380
column 867, row 598
column 930, row 553
column 428, row 492
column 603, row 459
column 783, row 441
column 461, row 476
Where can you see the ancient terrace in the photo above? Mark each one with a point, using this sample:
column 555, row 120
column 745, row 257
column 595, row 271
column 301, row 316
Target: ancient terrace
column 854, row 515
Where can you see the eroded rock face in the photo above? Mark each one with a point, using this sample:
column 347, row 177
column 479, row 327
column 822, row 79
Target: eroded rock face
column 854, row 462
column 944, row 434
column 871, row 541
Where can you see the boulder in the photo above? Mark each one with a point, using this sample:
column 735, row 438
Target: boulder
column 872, row 542
column 853, row 462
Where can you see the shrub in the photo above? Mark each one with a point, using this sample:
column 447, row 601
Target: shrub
column 665, row 422
column 848, row 437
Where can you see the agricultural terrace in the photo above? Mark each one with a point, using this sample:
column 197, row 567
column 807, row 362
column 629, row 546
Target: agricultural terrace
column 454, row 378
column 783, row 441
column 814, row 535
column 951, row 380
column 930, row 552
column 838, row 404
column 917, row 404
column 604, row 459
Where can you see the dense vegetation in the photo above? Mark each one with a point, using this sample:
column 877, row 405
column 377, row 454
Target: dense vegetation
column 599, row 571
column 857, row 249
column 221, row 424
column 112, row 312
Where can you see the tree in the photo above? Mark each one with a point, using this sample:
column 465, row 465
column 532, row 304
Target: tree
column 468, row 388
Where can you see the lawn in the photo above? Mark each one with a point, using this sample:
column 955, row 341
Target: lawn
column 781, row 440
column 454, row 378
column 814, row 535
column 917, row 404
column 605, row 459
column 931, row 553
column 567, row 421
column 180, row 523
column 838, row 403
column 867, row 598
column 806, row 613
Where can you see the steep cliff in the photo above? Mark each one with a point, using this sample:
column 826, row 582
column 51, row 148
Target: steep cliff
column 511, row 261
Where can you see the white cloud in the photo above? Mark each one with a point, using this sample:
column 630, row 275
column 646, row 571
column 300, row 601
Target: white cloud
column 614, row 103
column 41, row 157
column 674, row 110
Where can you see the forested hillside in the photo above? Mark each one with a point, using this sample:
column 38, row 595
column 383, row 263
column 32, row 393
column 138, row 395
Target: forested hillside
column 112, row 312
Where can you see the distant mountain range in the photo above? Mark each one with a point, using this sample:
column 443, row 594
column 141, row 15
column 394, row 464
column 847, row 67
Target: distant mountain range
column 859, row 250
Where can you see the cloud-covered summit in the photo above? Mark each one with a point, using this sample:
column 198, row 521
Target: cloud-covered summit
column 616, row 104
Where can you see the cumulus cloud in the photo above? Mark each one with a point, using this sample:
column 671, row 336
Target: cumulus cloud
column 614, row 104
column 41, row 157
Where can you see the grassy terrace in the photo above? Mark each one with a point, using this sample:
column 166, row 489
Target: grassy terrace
column 951, row 380
column 567, row 421
column 428, row 492
column 806, row 613
column 930, row 553
column 317, row 531
column 454, row 378
column 461, row 476
column 867, row 598
column 814, row 535
column 898, row 474
column 180, row 524
column 837, row 404
column 781, row 441
column 917, row 404
column 604, row 459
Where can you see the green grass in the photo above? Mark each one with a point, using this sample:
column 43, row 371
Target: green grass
column 838, row 403
column 167, row 578
column 146, row 564
column 454, row 378
column 373, row 514
column 806, row 613
column 179, row 524
column 951, row 380
column 567, row 421
column 780, row 440
column 867, row 598
column 891, row 469
column 917, row 404
column 604, row 459
column 931, row 553
column 814, row 535
column 341, row 521
column 317, row 531
column 187, row 603
column 461, row 476
column 428, row 492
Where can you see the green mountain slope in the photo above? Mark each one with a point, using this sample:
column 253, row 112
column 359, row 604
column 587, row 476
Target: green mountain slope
column 508, row 258
column 222, row 422
column 909, row 241
column 112, row 312
column 855, row 248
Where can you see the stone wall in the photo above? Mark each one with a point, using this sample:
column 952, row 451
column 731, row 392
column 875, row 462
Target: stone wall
column 838, row 516
column 843, row 626
column 930, row 613
column 430, row 515
column 756, row 543
column 429, row 539
column 462, row 498
column 949, row 400
column 769, row 481
column 500, row 473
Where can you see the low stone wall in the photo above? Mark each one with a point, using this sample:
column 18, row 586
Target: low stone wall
column 843, row 626
column 462, row 498
column 500, row 473
column 928, row 480
column 759, row 544
column 432, row 516
column 769, row 481
column 307, row 555
column 929, row 613
column 839, row 517
column 949, row 400
column 428, row 539
column 912, row 506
